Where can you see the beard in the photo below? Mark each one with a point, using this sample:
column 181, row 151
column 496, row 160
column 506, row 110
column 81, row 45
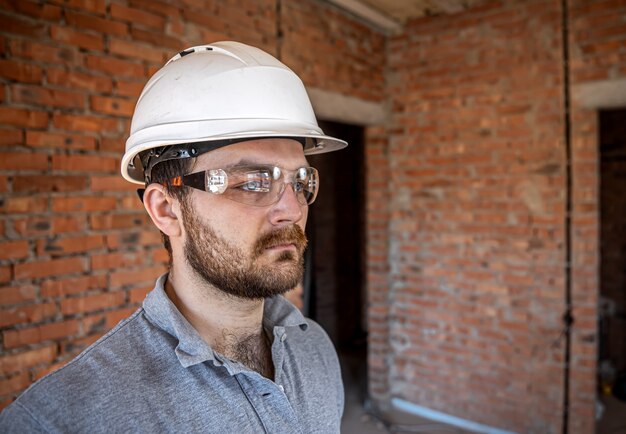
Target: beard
column 237, row 273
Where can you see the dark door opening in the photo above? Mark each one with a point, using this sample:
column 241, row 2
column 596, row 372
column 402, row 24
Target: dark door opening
column 334, row 285
column 612, row 301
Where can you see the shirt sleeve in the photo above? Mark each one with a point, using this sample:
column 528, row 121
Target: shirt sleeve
column 17, row 419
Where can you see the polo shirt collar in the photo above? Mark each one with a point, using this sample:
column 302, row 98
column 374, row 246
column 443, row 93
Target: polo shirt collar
column 191, row 348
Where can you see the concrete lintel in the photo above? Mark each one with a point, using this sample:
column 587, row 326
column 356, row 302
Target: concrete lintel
column 334, row 106
column 605, row 94
column 369, row 14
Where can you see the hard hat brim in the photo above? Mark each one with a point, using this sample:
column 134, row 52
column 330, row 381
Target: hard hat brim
column 315, row 143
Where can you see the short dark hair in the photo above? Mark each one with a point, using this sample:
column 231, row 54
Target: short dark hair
column 163, row 173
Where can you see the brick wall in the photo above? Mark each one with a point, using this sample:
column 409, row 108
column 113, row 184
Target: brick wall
column 78, row 252
column 468, row 317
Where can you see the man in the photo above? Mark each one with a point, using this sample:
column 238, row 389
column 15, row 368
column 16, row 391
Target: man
column 218, row 139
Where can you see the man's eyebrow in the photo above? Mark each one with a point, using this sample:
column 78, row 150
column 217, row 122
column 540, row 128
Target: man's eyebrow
column 247, row 162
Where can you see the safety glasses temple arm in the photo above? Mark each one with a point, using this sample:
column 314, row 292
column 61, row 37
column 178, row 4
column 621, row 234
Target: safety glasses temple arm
column 194, row 180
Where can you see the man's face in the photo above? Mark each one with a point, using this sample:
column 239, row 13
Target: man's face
column 244, row 250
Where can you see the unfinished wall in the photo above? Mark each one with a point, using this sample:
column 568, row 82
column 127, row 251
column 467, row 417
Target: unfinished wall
column 477, row 207
column 78, row 250
column 468, row 319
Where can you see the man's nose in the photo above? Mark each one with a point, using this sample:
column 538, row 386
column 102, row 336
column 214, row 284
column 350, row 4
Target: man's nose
column 288, row 209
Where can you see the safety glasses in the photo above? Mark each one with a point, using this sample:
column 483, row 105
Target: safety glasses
column 254, row 185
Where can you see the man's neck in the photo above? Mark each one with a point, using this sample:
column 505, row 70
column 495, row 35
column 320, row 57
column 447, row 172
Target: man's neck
column 232, row 326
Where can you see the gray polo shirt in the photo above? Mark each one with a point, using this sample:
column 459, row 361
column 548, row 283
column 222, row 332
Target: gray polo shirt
column 154, row 373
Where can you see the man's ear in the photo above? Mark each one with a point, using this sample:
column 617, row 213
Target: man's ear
column 162, row 209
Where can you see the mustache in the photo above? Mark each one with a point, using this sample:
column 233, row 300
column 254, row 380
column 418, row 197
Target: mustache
column 287, row 235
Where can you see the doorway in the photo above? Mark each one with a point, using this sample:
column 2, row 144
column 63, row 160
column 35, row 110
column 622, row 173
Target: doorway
column 612, row 300
column 334, row 284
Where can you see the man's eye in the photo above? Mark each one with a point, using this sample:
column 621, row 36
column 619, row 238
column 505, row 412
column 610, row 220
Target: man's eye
column 299, row 186
column 257, row 186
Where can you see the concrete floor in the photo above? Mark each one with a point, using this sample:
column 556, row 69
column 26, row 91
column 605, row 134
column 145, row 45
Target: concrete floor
column 357, row 420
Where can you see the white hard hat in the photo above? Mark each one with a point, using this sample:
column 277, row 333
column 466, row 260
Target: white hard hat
column 214, row 95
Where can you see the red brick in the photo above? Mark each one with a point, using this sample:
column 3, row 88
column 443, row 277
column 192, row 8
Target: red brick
column 24, row 205
column 95, row 6
column 133, row 50
column 84, row 163
column 22, row 361
column 115, row 316
column 23, row 117
column 48, row 183
column 83, row 203
column 92, row 323
column 129, row 88
column 79, row 39
column 23, row 161
column 158, row 39
column 111, row 183
column 110, row 144
column 116, row 260
column 157, row 7
column 14, row 249
column 6, row 274
column 66, row 245
column 137, row 16
column 32, row 227
column 131, row 203
column 134, row 239
column 73, row 285
column 4, row 403
column 17, row 294
column 175, row 26
column 19, row 71
column 44, row 139
column 137, row 295
column 27, row 314
column 134, row 277
column 14, row 384
column 118, row 221
column 115, row 67
column 13, row 24
column 112, row 106
column 33, row 335
column 47, row 268
column 79, row 80
column 92, row 303
column 35, row 10
column 98, row 24
column 84, row 123
column 36, row 95
column 11, row 137
column 44, row 52
column 160, row 256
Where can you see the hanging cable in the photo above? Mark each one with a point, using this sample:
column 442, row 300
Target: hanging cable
column 568, row 319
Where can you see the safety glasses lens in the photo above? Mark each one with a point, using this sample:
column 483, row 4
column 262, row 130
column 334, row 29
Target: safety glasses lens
column 263, row 187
